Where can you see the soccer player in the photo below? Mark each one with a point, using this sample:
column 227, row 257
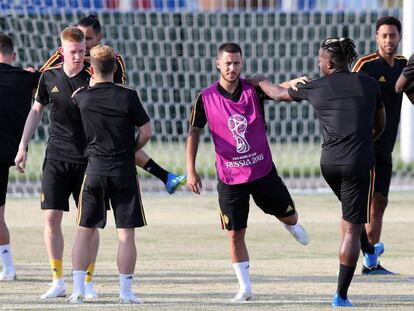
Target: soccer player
column 110, row 114
column 16, row 89
column 91, row 27
column 405, row 82
column 352, row 116
column 65, row 159
column 233, row 110
column 385, row 66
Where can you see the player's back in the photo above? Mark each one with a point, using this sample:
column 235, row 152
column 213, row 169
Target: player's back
column 16, row 87
column 110, row 113
column 345, row 104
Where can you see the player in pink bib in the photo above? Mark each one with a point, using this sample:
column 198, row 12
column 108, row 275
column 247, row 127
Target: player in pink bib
column 234, row 112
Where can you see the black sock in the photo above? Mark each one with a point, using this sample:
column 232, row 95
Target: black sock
column 366, row 247
column 156, row 170
column 345, row 276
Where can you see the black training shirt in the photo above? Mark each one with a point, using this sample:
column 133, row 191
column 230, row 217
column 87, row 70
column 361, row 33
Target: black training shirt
column 16, row 89
column 198, row 116
column 345, row 104
column 377, row 67
column 110, row 113
column 67, row 140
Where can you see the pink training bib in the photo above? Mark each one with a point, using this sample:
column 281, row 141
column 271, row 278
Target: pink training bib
column 239, row 135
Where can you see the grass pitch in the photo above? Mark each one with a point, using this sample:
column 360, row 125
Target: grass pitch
column 183, row 261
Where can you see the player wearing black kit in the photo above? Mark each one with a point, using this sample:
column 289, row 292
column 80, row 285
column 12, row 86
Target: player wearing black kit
column 385, row 66
column 351, row 115
column 110, row 114
column 91, row 27
column 16, row 89
column 65, row 159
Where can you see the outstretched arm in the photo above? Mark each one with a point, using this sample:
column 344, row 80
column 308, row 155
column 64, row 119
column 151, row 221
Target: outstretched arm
column 193, row 180
column 32, row 122
column 278, row 92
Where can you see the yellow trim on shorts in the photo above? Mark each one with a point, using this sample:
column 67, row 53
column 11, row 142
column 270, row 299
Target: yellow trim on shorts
column 140, row 203
column 370, row 193
column 79, row 209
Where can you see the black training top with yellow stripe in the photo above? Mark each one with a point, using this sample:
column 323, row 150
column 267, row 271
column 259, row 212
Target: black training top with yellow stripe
column 119, row 75
column 67, row 141
column 378, row 68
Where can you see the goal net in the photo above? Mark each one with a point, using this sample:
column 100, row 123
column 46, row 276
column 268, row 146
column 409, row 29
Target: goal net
column 169, row 48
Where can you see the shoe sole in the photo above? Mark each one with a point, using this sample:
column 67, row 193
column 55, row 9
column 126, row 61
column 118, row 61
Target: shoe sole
column 8, row 279
column 62, row 295
column 378, row 272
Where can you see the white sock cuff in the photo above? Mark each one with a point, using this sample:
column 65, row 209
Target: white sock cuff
column 5, row 247
column 242, row 265
column 296, row 225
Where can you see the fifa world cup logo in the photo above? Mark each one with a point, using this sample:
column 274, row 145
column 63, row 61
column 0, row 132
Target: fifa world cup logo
column 238, row 125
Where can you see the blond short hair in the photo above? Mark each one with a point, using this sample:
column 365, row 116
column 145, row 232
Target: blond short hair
column 103, row 59
column 72, row 34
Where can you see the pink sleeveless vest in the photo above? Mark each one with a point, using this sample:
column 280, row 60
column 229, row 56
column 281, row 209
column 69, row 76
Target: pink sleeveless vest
column 239, row 135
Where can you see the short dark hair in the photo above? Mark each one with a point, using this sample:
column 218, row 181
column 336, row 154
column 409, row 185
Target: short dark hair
column 6, row 44
column 229, row 47
column 341, row 50
column 91, row 21
column 388, row 20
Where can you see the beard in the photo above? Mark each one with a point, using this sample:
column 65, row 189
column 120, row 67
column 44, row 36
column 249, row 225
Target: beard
column 390, row 50
column 230, row 80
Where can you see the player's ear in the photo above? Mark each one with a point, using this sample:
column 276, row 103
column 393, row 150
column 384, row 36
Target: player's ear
column 100, row 37
column 217, row 64
column 14, row 56
column 60, row 49
column 91, row 70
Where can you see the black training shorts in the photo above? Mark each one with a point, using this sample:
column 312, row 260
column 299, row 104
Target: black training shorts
column 60, row 179
column 4, row 179
column 353, row 185
column 123, row 194
column 383, row 172
column 268, row 192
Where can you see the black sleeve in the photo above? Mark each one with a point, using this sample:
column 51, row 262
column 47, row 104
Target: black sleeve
column 408, row 70
column 198, row 115
column 300, row 94
column 120, row 74
column 76, row 94
column 42, row 95
column 74, row 99
column 36, row 77
column 380, row 103
column 138, row 114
